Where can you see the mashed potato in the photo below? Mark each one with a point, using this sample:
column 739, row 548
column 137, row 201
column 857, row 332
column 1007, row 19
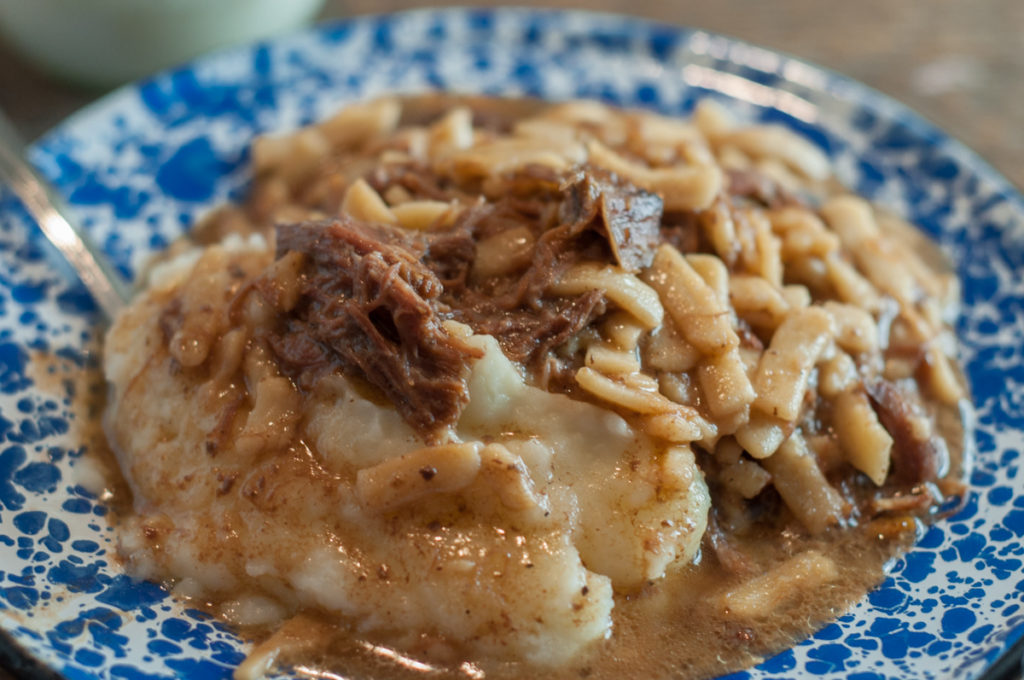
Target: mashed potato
column 515, row 556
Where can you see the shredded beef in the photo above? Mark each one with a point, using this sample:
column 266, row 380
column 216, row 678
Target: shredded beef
column 299, row 350
column 526, row 336
column 915, row 458
column 527, row 323
column 592, row 217
column 450, row 257
column 366, row 308
column 580, row 230
column 682, row 231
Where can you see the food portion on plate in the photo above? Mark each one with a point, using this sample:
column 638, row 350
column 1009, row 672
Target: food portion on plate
column 482, row 385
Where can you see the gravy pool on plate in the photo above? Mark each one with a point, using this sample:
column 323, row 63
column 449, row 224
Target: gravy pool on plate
column 482, row 386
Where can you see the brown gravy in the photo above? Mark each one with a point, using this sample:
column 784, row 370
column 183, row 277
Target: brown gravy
column 673, row 628
column 670, row 629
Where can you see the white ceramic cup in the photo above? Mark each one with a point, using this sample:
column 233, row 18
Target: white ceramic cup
column 101, row 43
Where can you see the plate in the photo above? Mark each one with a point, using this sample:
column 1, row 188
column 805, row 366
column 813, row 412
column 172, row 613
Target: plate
column 143, row 163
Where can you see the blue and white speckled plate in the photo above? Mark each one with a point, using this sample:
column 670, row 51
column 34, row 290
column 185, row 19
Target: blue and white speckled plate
column 143, row 163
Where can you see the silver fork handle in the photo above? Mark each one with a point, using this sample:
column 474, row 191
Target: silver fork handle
column 107, row 287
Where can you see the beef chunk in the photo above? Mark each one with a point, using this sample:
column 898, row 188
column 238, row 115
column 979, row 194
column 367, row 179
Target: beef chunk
column 630, row 218
column 917, row 457
column 366, row 310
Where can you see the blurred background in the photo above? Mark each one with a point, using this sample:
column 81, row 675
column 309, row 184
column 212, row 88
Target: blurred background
column 960, row 63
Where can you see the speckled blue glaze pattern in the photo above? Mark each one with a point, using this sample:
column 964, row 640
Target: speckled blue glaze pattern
column 142, row 164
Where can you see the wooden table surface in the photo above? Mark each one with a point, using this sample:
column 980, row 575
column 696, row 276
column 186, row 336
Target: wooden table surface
column 960, row 63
